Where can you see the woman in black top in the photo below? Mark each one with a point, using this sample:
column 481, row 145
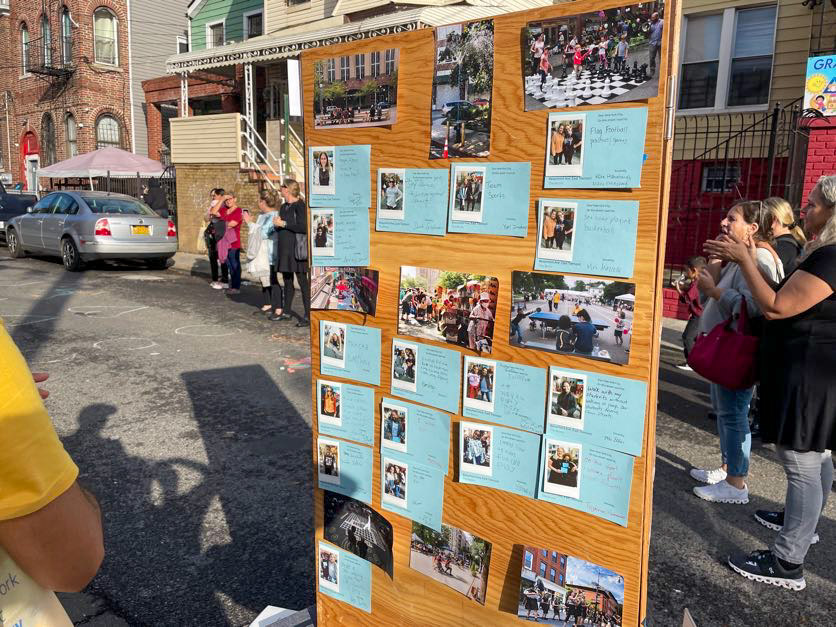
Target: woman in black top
column 788, row 238
column 292, row 219
column 566, row 402
column 798, row 392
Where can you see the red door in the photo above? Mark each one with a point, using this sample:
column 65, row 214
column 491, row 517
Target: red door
column 28, row 148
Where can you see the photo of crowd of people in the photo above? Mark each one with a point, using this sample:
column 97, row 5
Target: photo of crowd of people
column 475, row 451
column 328, row 393
column 455, row 558
column 557, row 226
column 329, row 460
column 468, row 188
column 404, row 366
column 391, row 186
column 333, row 344
column 393, row 426
column 323, row 170
column 562, row 473
column 395, row 482
column 329, row 568
column 479, row 383
column 594, row 58
column 564, row 144
column 346, row 288
column 355, row 527
column 322, row 232
column 566, row 399
column 451, row 307
column 570, row 314
column 563, row 590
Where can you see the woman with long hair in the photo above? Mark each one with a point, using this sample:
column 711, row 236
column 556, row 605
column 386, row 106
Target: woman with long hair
column 727, row 293
column 798, row 394
column 556, row 144
column 787, row 235
column 324, row 170
column 292, row 220
column 268, row 203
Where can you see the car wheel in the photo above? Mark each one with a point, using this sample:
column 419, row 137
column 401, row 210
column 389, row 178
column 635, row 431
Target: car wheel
column 13, row 243
column 69, row 255
column 158, row 263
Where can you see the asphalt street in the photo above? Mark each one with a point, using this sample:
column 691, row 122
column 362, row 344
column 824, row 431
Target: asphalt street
column 190, row 420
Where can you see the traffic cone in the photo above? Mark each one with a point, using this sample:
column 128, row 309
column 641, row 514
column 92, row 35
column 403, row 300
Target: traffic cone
column 445, row 154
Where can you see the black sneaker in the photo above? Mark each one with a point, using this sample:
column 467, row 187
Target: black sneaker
column 775, row 521
column 764, row 567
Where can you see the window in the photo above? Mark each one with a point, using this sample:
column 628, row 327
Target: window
column 46, row 42
column 44, row 205
column 551, row 574
column 105, row 38
column 253, row 24
column 215, row 35
column 66, row 205
column 375, row 63
column 332, row 70
column 72, row 135
column 554, row 556
column 562, row 560
column 48, row 140
column 66, row 37
column 359, row 67
column 542, row 569
column 719, row 178
column 528, row 560
column 544, row 552
column 182, row 44
column 24, row 49
column 560, row 579
column 108, row 132
column 390, row 61
column 345, row 70
column 727, row 59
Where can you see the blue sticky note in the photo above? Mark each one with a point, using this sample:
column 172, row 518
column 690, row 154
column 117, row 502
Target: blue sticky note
column 418, row 204
column 489, row 198
column 585, row 476
column 349, row 351
column 432, row 379
column 609, row 410
column 344, row 576
column 412, row 490
column 416, row 434
column 503, row 392
column 496, row 457
column 345, row 467
column 346, row 411
column 589, row 236
column 345, row 237
column 608, row 146
column 341, row 177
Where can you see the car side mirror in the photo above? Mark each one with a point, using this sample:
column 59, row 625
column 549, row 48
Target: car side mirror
column 28, row 209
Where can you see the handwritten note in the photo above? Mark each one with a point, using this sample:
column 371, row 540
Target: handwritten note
column 352, row 172
column 613, row 149
column 361, row 354
column 501, row 199
column 437, row 381
column 602, row 242
column 351, row 238
column 415, row 491
column 424, row 203
column 355, row 472
column 496, row 457
column 346, row 411
column 427, row 434
column 518, row 398
column 344, row 576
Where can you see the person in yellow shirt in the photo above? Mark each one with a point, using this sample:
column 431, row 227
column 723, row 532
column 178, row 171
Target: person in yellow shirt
column 50, row 527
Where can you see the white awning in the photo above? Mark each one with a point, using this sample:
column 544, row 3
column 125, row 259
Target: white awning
column 280, row 46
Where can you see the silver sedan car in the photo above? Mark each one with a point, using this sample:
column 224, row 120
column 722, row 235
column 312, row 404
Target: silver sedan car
column 82, row 226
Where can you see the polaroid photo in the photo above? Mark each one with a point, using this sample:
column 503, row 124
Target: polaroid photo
column 323, row 238
column 404, row 366
column 357, row 528
column 391, row 199
column 556, row 230
column 323, row 170
column 329, row 567
column 395, row 482
column 468, row 193
column 333, row 344
column 475, row 451
column 479, row 383
column 393, row 426
column 562, row 468
column 566, row 399
column 565, row 144
column 328, row 453
column 328, row 395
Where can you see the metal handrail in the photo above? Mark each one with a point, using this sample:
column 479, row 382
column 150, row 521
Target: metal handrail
column 260, row 138
column 249, row 159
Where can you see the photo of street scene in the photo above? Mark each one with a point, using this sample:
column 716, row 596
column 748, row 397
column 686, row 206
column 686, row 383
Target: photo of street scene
column 456, row 558
column 575, row 315
column 594, row 58
column 558, row 589
column 346, row 288
column 354, row 526
column 462, row 86
column 356, row 90
column 451, row 307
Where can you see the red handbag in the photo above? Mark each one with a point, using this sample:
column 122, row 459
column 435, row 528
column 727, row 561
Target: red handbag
column 726, row 356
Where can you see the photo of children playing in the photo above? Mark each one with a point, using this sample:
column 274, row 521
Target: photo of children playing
column 452, row 307
column 456, row 558
column 586, row 317
column 562, row 590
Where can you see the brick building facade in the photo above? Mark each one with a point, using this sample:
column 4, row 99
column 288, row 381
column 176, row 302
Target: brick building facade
column 545, row 564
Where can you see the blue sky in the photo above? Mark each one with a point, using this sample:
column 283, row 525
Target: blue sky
column 584, row 573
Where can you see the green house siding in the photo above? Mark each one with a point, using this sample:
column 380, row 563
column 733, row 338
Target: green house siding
column 232, row 11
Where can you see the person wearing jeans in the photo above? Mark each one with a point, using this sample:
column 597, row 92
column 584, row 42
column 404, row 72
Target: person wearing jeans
column 798, row 394
column 656, row 26
column 231, row 214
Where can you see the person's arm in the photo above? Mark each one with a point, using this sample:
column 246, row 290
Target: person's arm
column 298, row 221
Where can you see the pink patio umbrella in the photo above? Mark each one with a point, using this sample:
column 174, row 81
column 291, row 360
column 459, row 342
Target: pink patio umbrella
column 103, row 162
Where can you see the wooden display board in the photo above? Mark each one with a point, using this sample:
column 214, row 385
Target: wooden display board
column 507, row 520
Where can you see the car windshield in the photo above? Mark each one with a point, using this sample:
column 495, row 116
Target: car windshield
column 123, row 206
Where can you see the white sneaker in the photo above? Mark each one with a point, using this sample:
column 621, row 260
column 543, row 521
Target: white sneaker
column 723, row 492
column 708, row 476
column 217, row 285
column 684, row 366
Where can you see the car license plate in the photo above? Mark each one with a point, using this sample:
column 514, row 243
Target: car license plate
column 140, row 229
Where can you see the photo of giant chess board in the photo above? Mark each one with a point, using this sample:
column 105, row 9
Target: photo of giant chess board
column 356, row 527
column 593, row 87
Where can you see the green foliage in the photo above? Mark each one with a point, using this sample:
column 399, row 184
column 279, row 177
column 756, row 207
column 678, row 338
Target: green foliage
column 617, row 288
column 472, row 53
column 335, row 92
column 368, row 88
column 535, row 282
column 414, row 281
column 452, row 280
column 580, row 286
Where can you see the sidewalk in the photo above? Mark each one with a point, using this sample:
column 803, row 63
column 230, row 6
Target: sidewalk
column 198, row 265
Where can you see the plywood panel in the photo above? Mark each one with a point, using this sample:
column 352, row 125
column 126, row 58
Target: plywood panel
column 507, row 520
